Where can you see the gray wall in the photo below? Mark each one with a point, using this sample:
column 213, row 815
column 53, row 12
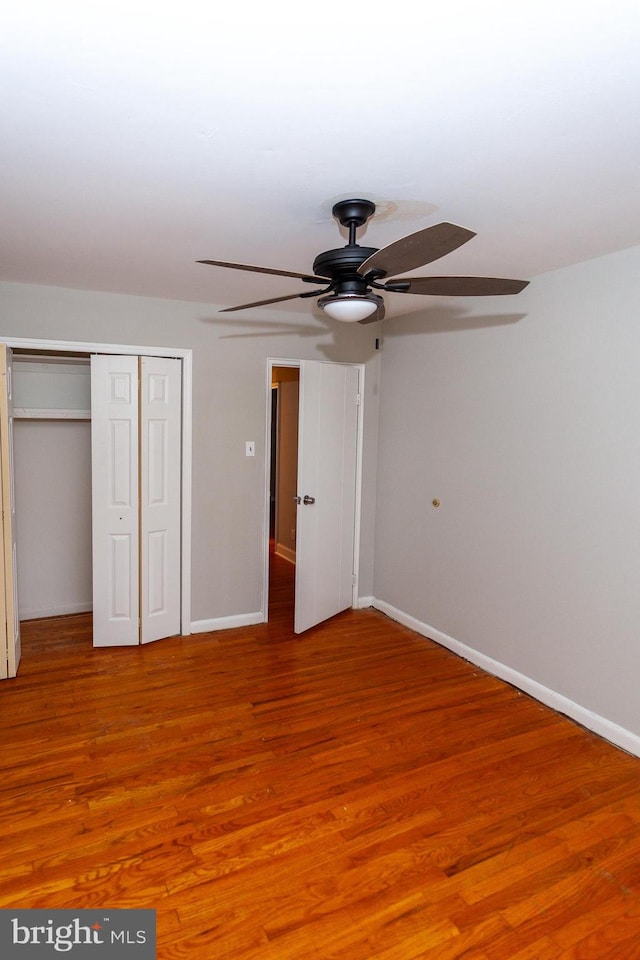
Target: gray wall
column 53, row 488
column 523, row 417
column 229, row 407
column 53, row 509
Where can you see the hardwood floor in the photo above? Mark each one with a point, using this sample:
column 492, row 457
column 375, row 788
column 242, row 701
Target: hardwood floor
column 355, row 792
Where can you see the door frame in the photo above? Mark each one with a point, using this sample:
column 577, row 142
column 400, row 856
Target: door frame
column 186, row 356
column 299, row 364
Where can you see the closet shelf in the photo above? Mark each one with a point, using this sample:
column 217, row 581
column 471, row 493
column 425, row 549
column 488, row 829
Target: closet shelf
column 43, row 413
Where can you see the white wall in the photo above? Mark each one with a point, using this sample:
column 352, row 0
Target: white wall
column 523, row 417
column 229, row 407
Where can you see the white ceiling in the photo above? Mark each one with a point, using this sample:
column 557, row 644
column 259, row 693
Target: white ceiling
column 137, row 138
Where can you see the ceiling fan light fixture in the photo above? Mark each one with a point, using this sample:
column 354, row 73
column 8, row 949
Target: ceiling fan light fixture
column 349, row 307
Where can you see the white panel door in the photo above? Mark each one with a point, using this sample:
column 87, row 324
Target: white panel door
column 160, row 493
column 327, row 469
column 114, row 456
column 10, row 628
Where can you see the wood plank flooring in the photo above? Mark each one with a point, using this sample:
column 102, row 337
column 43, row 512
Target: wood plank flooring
column 356, row 792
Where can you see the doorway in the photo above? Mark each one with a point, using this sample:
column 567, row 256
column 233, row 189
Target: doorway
column 284, row 460
column 314, row 522
column 283, row 480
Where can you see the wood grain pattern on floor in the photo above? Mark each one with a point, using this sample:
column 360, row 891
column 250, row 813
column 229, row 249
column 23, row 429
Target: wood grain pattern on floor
column 354, row 792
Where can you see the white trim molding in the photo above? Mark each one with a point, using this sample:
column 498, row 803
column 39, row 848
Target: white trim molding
column 363, row 602
column 59, row 610
column 227, row 623
column 285, row 553
column 606, row 729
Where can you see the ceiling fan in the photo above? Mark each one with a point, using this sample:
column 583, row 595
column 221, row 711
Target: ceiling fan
column 351, row 274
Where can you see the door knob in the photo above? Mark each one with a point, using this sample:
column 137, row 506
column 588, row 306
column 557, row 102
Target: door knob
column 307, row 499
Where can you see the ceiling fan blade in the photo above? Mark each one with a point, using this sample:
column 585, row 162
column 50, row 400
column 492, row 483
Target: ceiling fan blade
column 261, row 303
column 278, row 273
column 463, row 286
column 378, row 315
column 415, row 250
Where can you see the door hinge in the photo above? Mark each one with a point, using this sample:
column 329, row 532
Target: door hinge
column 354, row 579
column 358, row 399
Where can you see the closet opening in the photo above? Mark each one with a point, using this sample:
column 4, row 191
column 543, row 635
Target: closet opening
column 283, row 480
column 52, row 465
column 47, row 470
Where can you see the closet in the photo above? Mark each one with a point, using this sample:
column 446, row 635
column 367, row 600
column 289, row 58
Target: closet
column 92, row 463
column 52, row 464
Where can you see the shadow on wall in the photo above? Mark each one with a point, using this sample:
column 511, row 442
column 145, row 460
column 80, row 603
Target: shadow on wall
column 342, row 334
column 440, row 318
column 445, row 318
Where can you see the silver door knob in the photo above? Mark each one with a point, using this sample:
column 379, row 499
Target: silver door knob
column 307, row 499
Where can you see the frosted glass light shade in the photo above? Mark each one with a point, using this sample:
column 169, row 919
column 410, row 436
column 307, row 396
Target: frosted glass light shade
column 349, row 308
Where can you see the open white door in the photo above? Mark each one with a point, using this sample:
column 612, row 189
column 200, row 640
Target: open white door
column 327, row 472
column 114, row 457
column 160, row 413
column 10, row 624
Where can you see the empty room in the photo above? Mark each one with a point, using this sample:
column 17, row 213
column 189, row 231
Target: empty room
column 319, row 463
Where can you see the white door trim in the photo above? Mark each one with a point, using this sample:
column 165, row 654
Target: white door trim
column 299, row 364
column 186, row 356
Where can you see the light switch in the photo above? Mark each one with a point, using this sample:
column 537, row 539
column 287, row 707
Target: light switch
column 250, row 448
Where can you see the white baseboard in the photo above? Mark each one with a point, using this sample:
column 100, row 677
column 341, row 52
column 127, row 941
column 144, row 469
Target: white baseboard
column 363, row 602
column 227, row 623
column 285, row 552
column 615, row 734
column 60, row 610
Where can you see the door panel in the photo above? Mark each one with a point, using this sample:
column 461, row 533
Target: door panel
column 114, row 454
column 160, row 497
column 327, row 465
column 10, row 631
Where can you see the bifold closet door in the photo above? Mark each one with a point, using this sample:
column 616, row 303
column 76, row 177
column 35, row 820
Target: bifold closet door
column 135, row 443
column 160, row 434
column 114, row 500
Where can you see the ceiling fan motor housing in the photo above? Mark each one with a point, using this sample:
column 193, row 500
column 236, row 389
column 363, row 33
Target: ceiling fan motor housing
column 341, row 266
